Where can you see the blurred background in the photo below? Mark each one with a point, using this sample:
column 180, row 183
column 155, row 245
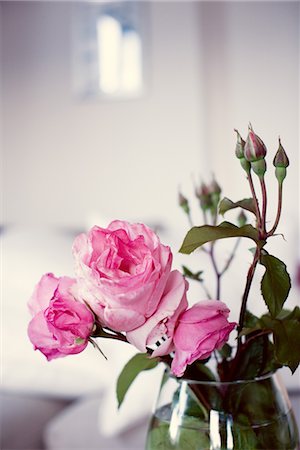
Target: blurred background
column 107, row 110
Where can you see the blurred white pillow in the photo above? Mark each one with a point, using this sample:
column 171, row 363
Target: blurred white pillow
column 28, row 253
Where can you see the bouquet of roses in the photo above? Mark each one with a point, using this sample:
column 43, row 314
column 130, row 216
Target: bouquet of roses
column 125, row 288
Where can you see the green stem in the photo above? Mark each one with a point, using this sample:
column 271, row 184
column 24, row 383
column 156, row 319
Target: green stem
column 273, row 229
column 255, row 200
column 249, row 280
column 264, row 206
column 218, row 276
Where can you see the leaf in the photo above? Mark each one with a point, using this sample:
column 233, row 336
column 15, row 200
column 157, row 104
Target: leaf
column 286, row 314
column 286, row 342
column 275, row 284
column 244, row 436
column 198, row 236
column 192, row 275
column 225, row 351
column 251, row 359
column 226, row 205
column 250, row 320
column 286, row 336
column 139, row 362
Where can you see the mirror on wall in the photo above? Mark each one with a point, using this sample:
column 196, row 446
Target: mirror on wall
column 108, row 47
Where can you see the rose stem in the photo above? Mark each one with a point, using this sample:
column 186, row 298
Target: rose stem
column 264, row 205
column 272, row 231
column 250, row 276
column 213, row 259
column 218, row 276
column 249, row 177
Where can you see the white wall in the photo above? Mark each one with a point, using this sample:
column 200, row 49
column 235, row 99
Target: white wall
column 251, row 73
column 66, row 159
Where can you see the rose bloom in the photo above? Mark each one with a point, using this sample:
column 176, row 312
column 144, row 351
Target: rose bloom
column 158, row 330
column 122, row 271
column 61, row 324
column 200, row 330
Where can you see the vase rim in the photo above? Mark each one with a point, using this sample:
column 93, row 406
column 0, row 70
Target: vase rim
column 218, row 382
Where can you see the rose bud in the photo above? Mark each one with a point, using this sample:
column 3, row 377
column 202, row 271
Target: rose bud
column 240, row 145
column 242, row 219
column 214, row 188
column 203, row 194
column 215, row 192
column 183, row 203
column 239, row 151
column 200, row 330
column 61, row 325
column 255, row 152
column 255, row 149
column 281, row 162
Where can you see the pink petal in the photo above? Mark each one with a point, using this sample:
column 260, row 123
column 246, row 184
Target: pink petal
column 43, row 293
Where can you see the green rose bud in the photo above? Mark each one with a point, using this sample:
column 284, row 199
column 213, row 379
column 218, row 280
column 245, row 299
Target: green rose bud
column 259, row 167
column 242, row 219
column 240, row 145
column 214, row 188
column 245, row 164
column 215, row 192
column 183, row 203
column 280, row 173
column 239, row 152
column 281, row 162
column 203, row 194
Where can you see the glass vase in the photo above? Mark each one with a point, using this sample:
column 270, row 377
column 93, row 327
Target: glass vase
column 241, row 415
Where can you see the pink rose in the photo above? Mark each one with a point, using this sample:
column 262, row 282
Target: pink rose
column 61, row 325
column 158, row 330
column 122, row 272
column 200, row 330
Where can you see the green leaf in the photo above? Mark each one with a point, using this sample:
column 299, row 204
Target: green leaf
column 225, row 351
column 226, row 205
column 250, row 320
column 286, row 342
column 286, row 336
column 244, row 436
column 287, row 314
column 198, row 236
column 251, row 359
column 192, row 275
column 135, row 365
column 275, row 284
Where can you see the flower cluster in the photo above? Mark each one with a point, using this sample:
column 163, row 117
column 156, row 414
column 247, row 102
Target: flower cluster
column 124, row 288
